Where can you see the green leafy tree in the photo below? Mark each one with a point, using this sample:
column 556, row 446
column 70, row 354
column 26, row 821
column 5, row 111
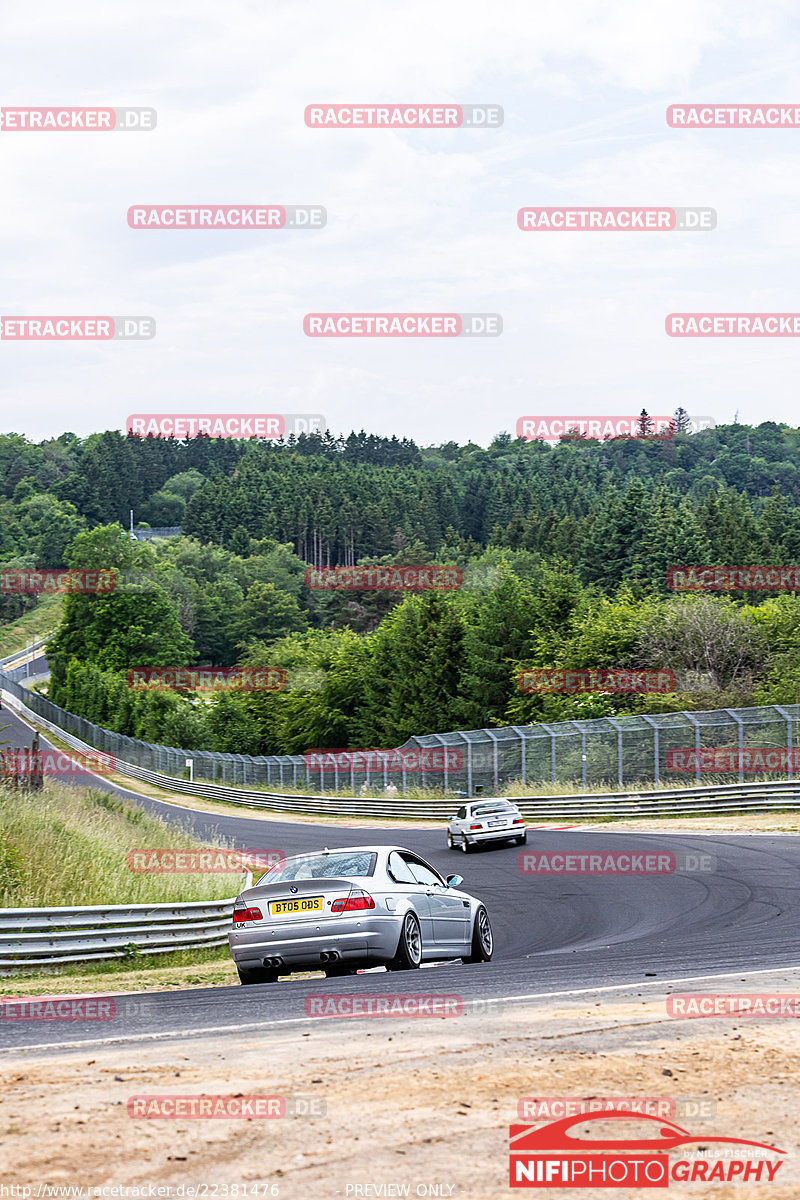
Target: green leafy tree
column 266, row 614
column 497, row 633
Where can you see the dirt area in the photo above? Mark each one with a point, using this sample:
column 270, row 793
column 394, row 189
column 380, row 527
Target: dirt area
column 708, row 823
column 425, row 1103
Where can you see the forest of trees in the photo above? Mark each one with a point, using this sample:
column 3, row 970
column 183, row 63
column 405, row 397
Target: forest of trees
column 564, row 551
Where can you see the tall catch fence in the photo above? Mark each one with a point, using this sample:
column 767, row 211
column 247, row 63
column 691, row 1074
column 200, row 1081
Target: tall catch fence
column 670, row 748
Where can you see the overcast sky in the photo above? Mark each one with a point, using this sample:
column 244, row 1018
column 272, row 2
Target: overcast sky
column 417, row 221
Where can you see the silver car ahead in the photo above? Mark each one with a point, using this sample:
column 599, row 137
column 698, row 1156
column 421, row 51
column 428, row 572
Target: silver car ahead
column 486, row 821
column 361, row 906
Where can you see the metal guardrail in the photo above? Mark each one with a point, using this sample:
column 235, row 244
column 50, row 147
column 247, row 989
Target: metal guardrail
column 41, row 936
column 723, row 798
column 22, row 654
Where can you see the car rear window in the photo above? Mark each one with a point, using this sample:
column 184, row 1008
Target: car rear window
column 487, row 810
column 324, row 866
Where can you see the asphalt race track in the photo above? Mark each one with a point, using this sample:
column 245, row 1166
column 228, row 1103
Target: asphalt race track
column 552, row 934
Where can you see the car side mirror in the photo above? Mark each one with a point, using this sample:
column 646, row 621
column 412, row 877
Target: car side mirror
column 454, row 880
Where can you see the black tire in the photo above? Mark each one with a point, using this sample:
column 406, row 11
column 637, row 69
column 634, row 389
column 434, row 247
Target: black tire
column 465, row 846
column 482, row 939
column 258, row 975
column 450, row 843
column 409, row 948
column 522, row 839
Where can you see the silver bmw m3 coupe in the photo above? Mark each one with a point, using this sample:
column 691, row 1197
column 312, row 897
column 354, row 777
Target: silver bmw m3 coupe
column 361, row 906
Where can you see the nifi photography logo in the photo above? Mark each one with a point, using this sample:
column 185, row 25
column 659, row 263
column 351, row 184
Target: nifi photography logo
column 556, row 1156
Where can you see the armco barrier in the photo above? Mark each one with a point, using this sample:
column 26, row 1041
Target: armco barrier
column 10, row 659
column 31, row 937
column 8, row 663
column 725, row 798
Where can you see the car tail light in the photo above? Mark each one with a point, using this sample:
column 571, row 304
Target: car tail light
column 518, row 820
column 355, row 902
column 475, row 827
column 247, row 914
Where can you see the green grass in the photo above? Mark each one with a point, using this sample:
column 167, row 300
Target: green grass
column 576, row 788
column 211, row 965
column 34, row 625
column 68, row 845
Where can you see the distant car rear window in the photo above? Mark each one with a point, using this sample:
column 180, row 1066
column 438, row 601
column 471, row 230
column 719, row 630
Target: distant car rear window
column 324, row 866
column 486, row 810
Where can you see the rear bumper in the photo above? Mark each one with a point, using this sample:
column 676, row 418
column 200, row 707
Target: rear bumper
column 369, row 938
column 495, row 835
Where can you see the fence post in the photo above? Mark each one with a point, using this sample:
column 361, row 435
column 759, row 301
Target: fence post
column 618, row 728
column 523, row 745
column 582, row 731
column 654, row 727
column 443, row 744
column 37, row 767
column 551, row 731
column 783, row 712
column 696, row 744
column 494, row 757
column 740, row 724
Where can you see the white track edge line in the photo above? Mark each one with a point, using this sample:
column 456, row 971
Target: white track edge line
column 209, row 1029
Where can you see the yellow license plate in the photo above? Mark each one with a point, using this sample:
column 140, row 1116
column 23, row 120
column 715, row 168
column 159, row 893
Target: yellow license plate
column 306, row 905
